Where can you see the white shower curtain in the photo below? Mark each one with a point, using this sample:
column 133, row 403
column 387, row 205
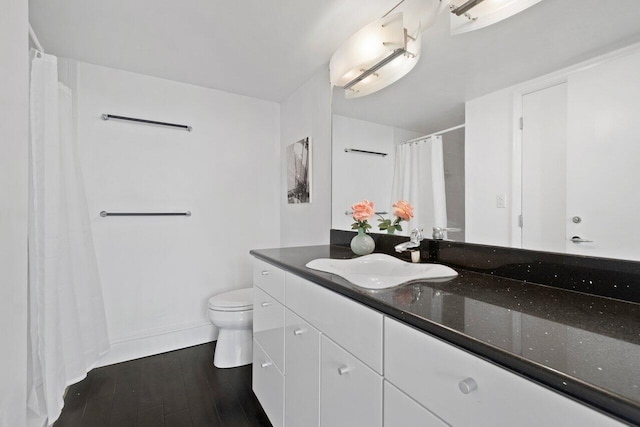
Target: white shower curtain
column 418, row 177
column 67, row 323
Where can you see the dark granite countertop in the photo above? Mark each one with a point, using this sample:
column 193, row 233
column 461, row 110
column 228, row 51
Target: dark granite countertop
column 585, row 346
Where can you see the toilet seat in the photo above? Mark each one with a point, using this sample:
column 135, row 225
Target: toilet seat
column 238, row 300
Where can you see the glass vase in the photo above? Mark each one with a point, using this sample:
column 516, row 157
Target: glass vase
column 362, row 244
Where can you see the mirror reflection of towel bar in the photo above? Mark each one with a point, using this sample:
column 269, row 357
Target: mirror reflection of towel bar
column 355, row 150
column 105, row 213
column 349, row 213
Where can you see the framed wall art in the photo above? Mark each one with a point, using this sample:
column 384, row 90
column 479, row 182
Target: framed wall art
column 299, row 172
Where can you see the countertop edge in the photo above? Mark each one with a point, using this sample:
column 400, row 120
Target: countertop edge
column 598, row 399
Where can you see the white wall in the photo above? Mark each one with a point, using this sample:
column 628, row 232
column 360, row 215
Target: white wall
column 307, row 113
column 158, row 272
column 453, row 156
column 358, row 176
column 602, row 157
column 14, row 127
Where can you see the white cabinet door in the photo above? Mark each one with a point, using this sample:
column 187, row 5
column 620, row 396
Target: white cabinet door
column 268, row 326
column 269, row 278
column 352, row 325
column 402, row 411
column 351, row 392
column 268, row 385
column 302, row 382
column 465, row 390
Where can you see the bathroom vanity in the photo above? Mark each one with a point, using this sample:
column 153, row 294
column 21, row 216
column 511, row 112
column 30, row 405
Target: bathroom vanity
column 475, row 349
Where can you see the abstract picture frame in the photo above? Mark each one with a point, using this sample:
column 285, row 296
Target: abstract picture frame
column 299, row 171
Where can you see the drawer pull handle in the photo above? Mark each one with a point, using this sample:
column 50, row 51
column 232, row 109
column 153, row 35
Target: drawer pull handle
column 266, row 304
column 266, row 364
column 265, row 272
column 298, row 331
column 342, row 370
column 468, row 385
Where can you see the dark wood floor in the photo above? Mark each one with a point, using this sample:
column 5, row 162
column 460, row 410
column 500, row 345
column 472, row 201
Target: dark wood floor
column 180, row 388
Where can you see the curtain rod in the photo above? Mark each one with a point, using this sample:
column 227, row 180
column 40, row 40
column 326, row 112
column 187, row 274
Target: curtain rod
column 34, row 39
column 435, row 134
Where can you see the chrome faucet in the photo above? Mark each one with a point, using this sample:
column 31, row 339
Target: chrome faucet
column 414, row 241
column 438, row 232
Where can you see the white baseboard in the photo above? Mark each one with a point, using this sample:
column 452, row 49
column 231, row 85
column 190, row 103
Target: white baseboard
column 158, row 341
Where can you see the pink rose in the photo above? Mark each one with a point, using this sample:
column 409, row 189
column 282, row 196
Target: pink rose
column 403, row 210
column 363, row 210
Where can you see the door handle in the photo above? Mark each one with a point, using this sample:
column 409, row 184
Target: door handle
column 578, row 239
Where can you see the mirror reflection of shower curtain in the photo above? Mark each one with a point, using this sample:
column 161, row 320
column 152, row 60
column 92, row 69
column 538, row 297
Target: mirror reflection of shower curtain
column 418, row 177
column 67, row 323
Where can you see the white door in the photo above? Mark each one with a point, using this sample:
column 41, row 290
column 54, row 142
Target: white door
column 604, row 159
column 544, row 169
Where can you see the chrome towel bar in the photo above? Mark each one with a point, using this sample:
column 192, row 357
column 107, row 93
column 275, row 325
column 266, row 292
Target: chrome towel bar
column 149, row 122
column 105, row 213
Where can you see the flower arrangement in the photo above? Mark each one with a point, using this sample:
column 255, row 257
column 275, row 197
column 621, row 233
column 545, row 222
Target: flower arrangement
column 362, row 212
column 403, row 212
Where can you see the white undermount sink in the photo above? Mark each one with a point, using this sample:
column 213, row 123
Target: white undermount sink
column 380, row 271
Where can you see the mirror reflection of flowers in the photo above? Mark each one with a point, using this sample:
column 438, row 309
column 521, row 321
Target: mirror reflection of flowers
column 362, row 212
column 403, row 212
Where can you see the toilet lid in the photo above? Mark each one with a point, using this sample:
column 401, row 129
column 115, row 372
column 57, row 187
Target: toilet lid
column 238, row 300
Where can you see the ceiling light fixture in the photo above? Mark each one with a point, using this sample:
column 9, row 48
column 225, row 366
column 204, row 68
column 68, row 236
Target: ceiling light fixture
column 376, row 56
column 469, row 15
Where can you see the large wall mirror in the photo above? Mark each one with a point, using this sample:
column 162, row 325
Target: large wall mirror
column 532, row 124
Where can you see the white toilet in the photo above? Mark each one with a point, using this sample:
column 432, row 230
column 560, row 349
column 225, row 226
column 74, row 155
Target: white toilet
column 232, row 313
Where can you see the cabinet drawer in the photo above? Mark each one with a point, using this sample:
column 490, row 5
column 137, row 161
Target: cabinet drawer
column 434, row 373
column 268, row 385
column 353, row 326
column 269, row 278
column 302, row 382
column 268, row 326
column 402, row 411
column 351, row 392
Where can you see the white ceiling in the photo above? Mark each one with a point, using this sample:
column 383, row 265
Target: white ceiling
column 268, row 48
column 453, row 69
column 260, row 48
